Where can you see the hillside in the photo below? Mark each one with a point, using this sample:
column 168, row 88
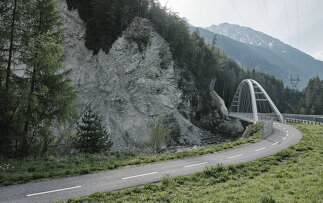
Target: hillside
column 264, row 53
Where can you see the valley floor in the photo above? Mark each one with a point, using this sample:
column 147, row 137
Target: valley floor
column 292, row 175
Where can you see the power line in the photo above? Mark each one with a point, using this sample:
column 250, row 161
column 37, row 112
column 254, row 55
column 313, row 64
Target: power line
column 263, row 15
column 287, row 20
column 297, row 24
column 266, row 9
column 237, row 12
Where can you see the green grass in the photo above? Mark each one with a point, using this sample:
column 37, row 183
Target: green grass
column 30, row 169
column 292, row 175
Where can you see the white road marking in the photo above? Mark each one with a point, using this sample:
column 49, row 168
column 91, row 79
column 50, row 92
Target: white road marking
column 284, row 128
column 136, row 176
column 286, row 131
column 195, row 164
column 284, row 138
column 231, row 157
column 51, row 191
column 287, row 135
column 260, row 149
column 275, row 143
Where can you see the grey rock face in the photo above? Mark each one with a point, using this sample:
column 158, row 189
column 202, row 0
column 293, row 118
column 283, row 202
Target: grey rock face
column 232, row 127
column 131, row 85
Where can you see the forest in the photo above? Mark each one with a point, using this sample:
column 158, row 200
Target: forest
column 37, row 95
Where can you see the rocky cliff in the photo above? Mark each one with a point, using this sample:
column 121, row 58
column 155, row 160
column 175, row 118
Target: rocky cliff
column 131, row 85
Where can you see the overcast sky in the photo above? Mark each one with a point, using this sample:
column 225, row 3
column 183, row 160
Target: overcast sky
column 269, row 16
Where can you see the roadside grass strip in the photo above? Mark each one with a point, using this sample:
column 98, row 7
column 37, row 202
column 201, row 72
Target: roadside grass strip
column 45, row 168
column 292, row 175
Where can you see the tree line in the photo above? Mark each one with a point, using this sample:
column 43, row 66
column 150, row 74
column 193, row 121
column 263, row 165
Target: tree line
column 36, row 93
column 312, row 100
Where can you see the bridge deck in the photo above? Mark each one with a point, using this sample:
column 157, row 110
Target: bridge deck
column 249, row 116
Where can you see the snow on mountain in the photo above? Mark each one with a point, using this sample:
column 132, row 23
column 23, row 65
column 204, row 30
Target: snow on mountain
column 246, row 35
column 265, row 53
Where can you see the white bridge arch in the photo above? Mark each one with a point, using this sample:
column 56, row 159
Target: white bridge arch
column 251, row 103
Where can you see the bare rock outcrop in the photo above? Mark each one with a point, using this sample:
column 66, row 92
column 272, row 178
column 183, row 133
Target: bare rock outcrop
column 131, row 85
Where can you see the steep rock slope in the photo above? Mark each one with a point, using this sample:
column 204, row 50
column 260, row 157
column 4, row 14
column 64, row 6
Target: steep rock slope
column 131, row 85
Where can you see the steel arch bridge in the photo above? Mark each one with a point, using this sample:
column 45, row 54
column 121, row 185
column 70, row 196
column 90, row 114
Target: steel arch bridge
column 251, row 103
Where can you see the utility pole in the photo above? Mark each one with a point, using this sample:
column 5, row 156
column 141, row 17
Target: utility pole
column 294, row 81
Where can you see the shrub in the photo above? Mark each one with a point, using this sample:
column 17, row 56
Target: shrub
column 175, row 133
column 159, row 135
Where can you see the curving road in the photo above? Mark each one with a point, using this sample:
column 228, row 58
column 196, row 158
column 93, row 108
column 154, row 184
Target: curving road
column 61, row 189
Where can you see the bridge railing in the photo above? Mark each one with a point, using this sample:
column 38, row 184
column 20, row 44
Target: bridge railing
column 299, row 118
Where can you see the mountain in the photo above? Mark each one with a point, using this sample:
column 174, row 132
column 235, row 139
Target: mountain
column 263, row 52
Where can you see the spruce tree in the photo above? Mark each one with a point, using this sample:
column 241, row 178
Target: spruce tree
column 92, row 136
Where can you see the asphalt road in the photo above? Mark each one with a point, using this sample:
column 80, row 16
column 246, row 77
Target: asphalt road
column 64, row 188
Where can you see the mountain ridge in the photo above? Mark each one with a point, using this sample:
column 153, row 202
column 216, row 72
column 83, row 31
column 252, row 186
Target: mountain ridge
column 265, row 53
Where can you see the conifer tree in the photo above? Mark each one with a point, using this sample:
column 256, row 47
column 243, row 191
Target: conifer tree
column 92, row 136
column 51, row 95
column 13, row 21
column 42, row 94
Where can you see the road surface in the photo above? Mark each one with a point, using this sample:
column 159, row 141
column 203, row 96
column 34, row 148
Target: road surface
column 283, row 137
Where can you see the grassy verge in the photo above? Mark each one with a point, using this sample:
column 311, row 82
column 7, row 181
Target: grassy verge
column 22, row 171
column 292, row 175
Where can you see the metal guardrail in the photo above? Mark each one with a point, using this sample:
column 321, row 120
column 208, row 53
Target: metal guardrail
column 292, row 118
column 306, row 119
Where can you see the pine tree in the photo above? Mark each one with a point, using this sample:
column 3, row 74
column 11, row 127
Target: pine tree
column 318, row 107
column 213, row 43
column 92, row 136
column 13, row 21
column 51, row 94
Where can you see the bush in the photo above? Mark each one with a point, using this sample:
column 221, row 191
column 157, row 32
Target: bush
column 159, row 135
column 175, row 133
